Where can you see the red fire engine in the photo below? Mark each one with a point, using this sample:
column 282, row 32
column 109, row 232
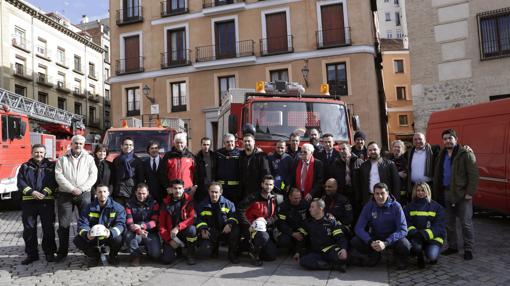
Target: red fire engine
column 278, row 109
column 16, row 139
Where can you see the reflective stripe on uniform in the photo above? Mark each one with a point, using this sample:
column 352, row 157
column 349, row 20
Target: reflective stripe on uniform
column 411, row 228
column 192, row 239
column 229, row 183
column 337, row 232
column 421, row 213
column 303, row 231
column 48, row 190
column 438, row 239
column 203, row 213
column 234, row 219
column 282, row 217
column 112, row 215
column 325, row 249
column 430, row 233
column 96, row 215
column 116, row 230
column 201, row 224
column 26, row 189
column 225, row 210
column 28, row 198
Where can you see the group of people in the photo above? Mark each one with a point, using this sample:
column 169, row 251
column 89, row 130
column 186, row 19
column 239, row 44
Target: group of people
column 327, row 204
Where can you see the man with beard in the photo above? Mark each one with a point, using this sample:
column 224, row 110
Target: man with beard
column 314, row 140
column 455, row 181
column 328, row 155
column 127, row 172
column 377, row 170
column 253, row 165
column 359, row 149
column 227, row 169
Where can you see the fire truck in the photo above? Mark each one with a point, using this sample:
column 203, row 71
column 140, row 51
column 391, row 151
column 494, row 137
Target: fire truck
column 16, row 114
column 159, row 130
column 277, row 109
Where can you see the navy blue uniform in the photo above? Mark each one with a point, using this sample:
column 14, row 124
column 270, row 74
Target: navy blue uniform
column 326, row 238
column 228, row 173
column 280, row 166
column 339, row 206
column 41, row 178
column 290, row 219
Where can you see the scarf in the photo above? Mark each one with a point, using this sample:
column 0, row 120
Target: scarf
column 309, row 176
column 126, row 160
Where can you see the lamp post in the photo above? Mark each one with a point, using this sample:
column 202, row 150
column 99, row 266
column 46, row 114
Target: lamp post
column 305, row 71
column 146, row 91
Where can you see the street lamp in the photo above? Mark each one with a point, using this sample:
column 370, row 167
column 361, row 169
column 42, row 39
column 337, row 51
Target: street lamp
column 146, row 91
column 305, row 71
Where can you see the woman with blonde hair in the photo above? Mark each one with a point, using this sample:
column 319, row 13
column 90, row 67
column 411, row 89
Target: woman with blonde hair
column 425, row 225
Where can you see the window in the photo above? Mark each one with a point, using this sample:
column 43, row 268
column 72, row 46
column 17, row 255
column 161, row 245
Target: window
column 42, row 74
column 337, row 78
column 398, row 66
column 41, row 47
column 107, row 94
column 176, row 45
column 277, row 40
column 62, row 103
column 388, row 16
column 92, row 90
column 401, row 93
column 494, row 34
column 397, row 18
column 224, row 84
column 133, row 101
column 389, row 35
column 61, row 80
column 43, row 97
column 61, row 56
column 402, row 120
column 77, row 63
column 19, row 68
column 282, row 74
column 77, row 108
column 178, row 90
column 225, row 39
column 21, row 90
column 19, row 37
column 92, row 114
column 106, row 74
column 396, row 2
column 92, row 70
column 106, row 53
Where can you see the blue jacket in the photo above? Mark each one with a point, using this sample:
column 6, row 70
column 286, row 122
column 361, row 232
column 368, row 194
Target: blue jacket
column 280, row 166
column 324, row 234
column 226, row 214
column 426, row 219
column 387, row 223
column 290, row 217
column 37, row 177
column 113, row 216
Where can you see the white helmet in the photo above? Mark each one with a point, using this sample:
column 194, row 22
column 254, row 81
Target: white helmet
column 98, row 230
column 259, row 224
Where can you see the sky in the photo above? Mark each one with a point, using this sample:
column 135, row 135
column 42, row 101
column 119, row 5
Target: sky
column 74, row 9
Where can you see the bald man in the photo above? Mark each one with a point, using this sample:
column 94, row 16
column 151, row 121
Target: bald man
column 337, row 205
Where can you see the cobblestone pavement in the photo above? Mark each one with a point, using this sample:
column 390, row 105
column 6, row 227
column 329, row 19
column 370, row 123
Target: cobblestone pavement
column 488, row 267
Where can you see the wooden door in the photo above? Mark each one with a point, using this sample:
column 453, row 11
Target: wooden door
column 276, row 32
column 132, row 53
column 333, row 30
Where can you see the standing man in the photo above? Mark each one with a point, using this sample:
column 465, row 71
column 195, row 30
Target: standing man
column 112, row 217
column 258, row 217
column 421, row 162
column 254, row 166
column 179, row 163
column 227, row 169
column 377, row 170
column 359, row 149
column 307, row 173
column 455, row 181
column 36, row 180
column 280, row 164
column 151, row 168
column 314, row 140
column 293, row 150
column 328, row 155
column 127, row 172
column 217, row 220
column 76, row 173
column 206, row 168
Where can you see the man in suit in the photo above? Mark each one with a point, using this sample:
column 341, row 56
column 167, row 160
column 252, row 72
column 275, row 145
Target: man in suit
column 307, row 173
column 151, row 166
column 328, row 154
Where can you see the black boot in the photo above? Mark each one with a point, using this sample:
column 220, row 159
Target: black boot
column 421, row 262
column 63, row 245
column 190, row 259
column 255, row 256
column 29, row 260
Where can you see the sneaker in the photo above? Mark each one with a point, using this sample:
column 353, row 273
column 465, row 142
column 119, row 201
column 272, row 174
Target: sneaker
column 468, row 255
column 450, row 251
column 29, row 260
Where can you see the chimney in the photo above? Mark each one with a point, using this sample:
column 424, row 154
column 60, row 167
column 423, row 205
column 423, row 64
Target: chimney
column 84, row 19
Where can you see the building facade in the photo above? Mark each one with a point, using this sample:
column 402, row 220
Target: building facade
column 46, row 58
column 460, row 53
column 397, row 89
column 392, row 20
column 182, row 56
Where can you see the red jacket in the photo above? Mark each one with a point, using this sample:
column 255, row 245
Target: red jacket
column 178, row 165
column 186, row 218
column 255, row 206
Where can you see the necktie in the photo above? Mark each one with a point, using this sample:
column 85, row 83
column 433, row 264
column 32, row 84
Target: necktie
column 154, row 167
column 347, row 174
column 304, row 170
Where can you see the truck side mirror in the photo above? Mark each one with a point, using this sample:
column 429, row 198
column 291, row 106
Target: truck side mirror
column 356, row 124
column 23, row 129
column 232, row 124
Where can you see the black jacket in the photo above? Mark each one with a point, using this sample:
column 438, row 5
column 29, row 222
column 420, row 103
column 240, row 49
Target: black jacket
column 388, row 174
column 152, row 180
column 201, row 174
column 104, row 174
column 290, row 217
column 253, row 169
column 125, row 187
column 339, row 206
column 338, row 171
column 323, row 157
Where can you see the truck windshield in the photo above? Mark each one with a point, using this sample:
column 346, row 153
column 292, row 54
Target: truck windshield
column 276, row 120
column 141, row 139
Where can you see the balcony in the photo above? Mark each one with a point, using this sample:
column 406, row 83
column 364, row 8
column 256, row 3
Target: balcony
column 175, row 59
column 129, row 65
column 21, row 44
column 23, row 73
column 61, row 86
column 94, row 97
column 168, row 10
column 129, row 15
column 211, row 7
column 227, row 51
column 78, row 93
column 44, row 80
column 333, row 38
column 277, row 45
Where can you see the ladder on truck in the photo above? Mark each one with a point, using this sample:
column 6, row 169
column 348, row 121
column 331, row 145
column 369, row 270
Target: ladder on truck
column 38, row 110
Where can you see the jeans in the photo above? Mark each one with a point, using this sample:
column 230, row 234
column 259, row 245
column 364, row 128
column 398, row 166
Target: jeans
column 431, row 250
column 401, row 250
column 152, row 244
column 463, row 210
